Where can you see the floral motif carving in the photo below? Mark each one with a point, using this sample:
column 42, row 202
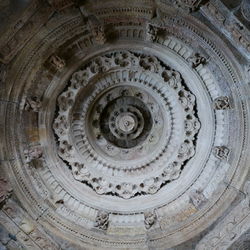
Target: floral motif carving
column 221, row 152
column 124, row 108
column 221, row 103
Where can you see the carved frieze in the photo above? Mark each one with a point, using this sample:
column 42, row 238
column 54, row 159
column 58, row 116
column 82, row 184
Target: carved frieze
column 18, row 39
column 231, row 25
column 133, row 119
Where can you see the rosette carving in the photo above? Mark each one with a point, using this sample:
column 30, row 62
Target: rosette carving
column 123, row 126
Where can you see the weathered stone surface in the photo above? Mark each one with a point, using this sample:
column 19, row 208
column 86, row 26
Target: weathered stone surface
column 125, row 125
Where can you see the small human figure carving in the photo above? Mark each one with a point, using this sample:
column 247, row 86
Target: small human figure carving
column 98, row 33
column 197, row 198
column 33, row 154
column 149, row 219
column 197, row 60
column 57, row 62
column 32, row 104
column 151, row 32
column 189, row 5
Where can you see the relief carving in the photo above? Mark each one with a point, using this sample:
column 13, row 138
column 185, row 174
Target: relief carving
column 149, row 219
column 102, row 220
column 97, row 29
column 5, row 190
column 125, row 107
column 197, row 60
column 62, row 4
column 151, row 32
column 221, row 152
column 98, row 33
column 57, row 62
column 197, row 198
column 34, row 153
column 221, row 103
column 189, row 5
column 32, row 104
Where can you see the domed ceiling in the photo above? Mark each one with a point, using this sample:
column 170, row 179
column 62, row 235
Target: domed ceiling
column 125, row 124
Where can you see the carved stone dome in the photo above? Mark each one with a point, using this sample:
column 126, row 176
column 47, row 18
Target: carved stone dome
column 125, row 124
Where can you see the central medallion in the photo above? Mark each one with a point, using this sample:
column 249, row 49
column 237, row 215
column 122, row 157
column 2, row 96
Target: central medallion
column 126, row 124
column 122, row 121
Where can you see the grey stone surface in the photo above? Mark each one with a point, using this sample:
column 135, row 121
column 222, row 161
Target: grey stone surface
column 124, row 124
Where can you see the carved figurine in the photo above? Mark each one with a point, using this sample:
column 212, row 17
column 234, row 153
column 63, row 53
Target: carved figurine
column 98, row 33
column 33, row 154
column 32, row 104
column 149, row 219
column 197, row 198
column 57, row 62
column 197, row 60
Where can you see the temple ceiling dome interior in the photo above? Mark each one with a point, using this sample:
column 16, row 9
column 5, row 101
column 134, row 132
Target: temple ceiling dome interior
column 125, row 124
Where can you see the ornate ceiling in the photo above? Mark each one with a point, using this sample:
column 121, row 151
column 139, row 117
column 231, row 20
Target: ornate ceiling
column 125, row 124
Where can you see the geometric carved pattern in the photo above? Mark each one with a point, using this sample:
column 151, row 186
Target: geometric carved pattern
column 101, row 127
column 128, row 114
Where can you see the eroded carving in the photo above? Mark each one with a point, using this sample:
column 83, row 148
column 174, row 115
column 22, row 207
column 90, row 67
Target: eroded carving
column 102, row 220
column 189, row 5
column 221, row 103
column 33, row 153
column 98, row 33
column 57, row 62
column 197, row 60
column 221, row 152
column 32, row 104
column 197, row 198
column 151, row 32
column 5, row 190
column 149, row 219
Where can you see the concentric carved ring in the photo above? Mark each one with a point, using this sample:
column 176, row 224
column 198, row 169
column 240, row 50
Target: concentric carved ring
column 123, row 121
